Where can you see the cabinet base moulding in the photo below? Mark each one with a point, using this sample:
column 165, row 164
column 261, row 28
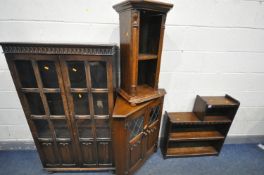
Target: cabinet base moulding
column 144, row 93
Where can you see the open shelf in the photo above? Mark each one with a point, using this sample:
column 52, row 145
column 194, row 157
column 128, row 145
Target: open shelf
column 195, row 135
column 223, row 119
column 189, row 117
column 191, row 151
column 219, row 101
column 144, row 56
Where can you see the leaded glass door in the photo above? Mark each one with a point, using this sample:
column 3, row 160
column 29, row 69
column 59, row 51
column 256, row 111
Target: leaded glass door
column 153, row 123
column 90, row 98
column 135, row 125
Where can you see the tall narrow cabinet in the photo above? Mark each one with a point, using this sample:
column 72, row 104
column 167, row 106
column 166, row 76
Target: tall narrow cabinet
column 142, row 25
column 67, row 94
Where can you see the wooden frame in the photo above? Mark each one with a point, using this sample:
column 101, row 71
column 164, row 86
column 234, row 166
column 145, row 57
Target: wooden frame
column 56, row 152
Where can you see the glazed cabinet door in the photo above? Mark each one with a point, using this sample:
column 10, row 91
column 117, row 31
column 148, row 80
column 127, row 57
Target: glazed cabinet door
column 136, row 137
column 88, row 84
column 40, row 88
column 153, row 124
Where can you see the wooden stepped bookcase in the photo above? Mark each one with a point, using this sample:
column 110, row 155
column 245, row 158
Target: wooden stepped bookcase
column 201, row 132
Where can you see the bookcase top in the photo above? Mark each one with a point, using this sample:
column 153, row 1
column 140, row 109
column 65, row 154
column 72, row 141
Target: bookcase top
column 144, row 5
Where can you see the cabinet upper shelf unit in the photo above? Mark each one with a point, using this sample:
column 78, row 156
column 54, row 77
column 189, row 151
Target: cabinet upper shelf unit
column 142, row 25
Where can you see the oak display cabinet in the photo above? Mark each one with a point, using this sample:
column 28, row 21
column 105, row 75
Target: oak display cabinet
column 142, row 25
column 185, row 134
column 67, row 94
column 135, row 133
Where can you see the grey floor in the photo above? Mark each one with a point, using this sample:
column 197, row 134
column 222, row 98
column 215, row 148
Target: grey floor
column 245, row 159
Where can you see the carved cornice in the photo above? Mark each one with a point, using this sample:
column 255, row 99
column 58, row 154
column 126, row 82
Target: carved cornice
column 82, row 50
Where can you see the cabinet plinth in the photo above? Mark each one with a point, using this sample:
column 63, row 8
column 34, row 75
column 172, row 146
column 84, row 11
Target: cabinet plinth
column 142, row 25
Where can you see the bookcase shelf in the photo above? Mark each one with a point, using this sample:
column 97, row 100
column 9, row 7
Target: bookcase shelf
column 201, row 132
column 144, row 56
column 195, row 135
column 191, row 151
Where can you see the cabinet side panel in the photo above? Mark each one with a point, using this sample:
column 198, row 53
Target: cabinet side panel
column 120, row 146
column 164, row 133
column 125, row 49
column 199, row 107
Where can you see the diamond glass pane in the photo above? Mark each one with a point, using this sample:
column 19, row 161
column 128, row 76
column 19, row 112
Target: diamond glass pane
column 135, row 126
column 154, row 114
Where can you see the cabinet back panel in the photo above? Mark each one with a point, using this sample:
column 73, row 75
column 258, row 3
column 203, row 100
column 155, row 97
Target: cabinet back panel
column 150, row 24
column 147, row 72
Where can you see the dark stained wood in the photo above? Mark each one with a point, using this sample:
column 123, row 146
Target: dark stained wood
column 123, row 109
column 89, row 156
column 45, row 104
column 144, row 93
column 162, row 29
column 201, row 132
column 132, row 147
column 50, row 158
column 104, row 153
column 147, row 56
column 190, row 117
column 193, row 151
column 141, row 37
column 15, row 75
column 58, row 150
column 214, row 101
column 195, row 135
column 217, row 105
column 143, row 5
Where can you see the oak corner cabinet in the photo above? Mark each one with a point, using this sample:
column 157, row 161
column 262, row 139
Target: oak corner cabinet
column 201, row 132
column 142, row 25
column 135, row 133
column 67, row 94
